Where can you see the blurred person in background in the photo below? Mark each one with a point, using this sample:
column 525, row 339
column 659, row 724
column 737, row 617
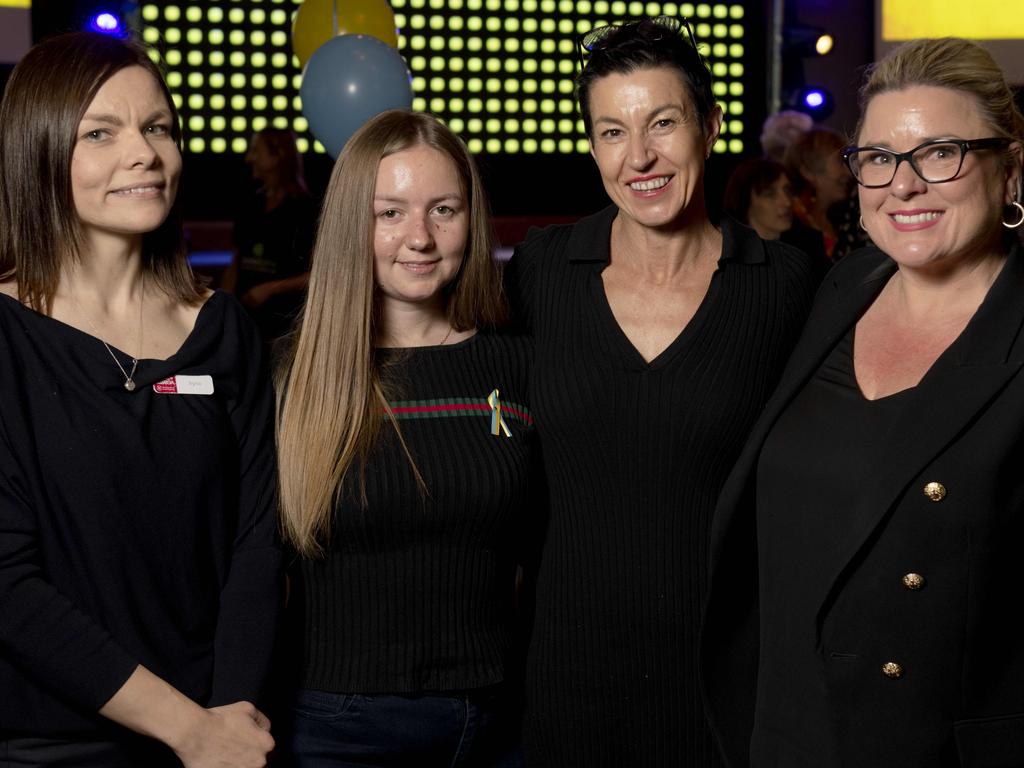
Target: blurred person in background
column 760, row 195
column 820, row 180
column 274, row 234
column 779, row 130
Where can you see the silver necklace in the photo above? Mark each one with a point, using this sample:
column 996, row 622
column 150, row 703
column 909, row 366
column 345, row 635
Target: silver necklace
column 129, row 378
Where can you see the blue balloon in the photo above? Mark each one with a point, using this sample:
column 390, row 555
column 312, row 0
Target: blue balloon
column 348, row 80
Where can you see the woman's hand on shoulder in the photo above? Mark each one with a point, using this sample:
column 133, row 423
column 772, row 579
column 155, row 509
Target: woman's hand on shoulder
column 232, row 736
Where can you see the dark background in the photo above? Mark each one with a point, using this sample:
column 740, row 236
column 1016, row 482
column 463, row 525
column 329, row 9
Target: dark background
column 553, row 185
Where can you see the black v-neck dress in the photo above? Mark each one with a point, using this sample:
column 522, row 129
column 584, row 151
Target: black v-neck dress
column 635, row 454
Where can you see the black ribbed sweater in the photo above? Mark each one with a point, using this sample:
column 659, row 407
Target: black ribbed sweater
column 415, row 594
column 635, row 455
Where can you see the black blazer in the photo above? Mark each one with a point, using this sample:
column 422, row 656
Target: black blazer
column 958, row 695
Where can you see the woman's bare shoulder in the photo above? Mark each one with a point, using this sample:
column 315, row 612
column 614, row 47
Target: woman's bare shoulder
column 9, row 288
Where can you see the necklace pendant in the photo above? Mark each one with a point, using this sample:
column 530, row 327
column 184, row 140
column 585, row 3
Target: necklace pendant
column 129, row 385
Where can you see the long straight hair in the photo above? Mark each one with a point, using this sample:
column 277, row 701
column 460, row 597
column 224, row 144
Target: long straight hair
column 331, row 399
column 45, row 100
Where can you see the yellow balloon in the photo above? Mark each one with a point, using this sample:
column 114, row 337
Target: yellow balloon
column 315, row 23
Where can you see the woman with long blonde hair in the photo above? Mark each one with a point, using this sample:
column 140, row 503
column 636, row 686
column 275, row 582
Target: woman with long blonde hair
column 405, row 452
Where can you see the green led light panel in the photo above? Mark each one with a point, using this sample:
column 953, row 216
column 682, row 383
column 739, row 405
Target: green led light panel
column 500, row 72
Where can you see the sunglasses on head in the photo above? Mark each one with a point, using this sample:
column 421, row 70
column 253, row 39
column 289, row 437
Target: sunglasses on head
column 655, row 28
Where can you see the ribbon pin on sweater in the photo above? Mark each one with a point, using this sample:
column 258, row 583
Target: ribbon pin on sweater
column 498, row 424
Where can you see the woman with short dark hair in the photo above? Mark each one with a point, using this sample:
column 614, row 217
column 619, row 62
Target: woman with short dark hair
column 658, row 338
column 760, row 195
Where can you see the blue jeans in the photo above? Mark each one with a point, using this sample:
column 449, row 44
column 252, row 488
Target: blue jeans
column 339, row 730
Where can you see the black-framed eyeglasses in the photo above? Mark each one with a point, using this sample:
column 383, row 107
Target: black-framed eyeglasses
column 669, row 25
column 935, row 161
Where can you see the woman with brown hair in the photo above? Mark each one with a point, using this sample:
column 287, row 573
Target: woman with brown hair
column 405, row 463
column 138, row 556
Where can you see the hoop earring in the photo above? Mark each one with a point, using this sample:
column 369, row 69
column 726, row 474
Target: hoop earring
column 860, row 222
column 1019, row 221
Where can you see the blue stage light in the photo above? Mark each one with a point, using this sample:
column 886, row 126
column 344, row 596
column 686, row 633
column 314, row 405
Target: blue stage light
column 107, row 23
column 814, row 99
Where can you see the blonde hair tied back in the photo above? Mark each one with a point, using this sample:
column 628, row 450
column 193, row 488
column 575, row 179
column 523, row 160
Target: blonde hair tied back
column 954, row 63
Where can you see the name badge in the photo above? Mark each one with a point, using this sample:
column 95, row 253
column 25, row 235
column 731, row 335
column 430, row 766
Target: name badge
column 185, row 385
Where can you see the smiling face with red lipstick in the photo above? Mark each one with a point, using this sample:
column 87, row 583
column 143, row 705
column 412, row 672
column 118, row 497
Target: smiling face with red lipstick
column 650, row 146
column 929, row 226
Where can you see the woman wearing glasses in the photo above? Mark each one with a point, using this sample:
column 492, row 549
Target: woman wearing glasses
column 883, row 485
column 658, row 339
